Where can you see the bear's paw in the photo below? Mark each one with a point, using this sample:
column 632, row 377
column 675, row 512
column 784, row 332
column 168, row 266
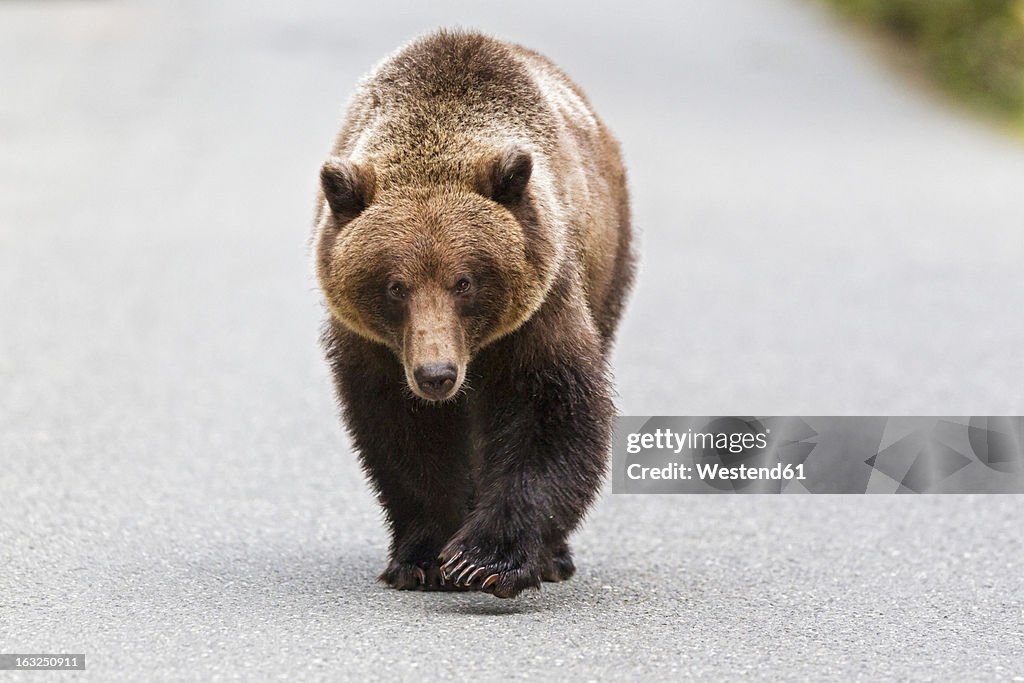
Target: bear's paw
column 475, row 569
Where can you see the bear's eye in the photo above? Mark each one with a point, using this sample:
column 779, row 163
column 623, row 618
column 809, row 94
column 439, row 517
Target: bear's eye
column 463, row 285
column 397, row 291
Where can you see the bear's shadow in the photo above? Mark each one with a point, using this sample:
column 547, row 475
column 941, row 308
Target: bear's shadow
column 480, row 604
column 321, row 577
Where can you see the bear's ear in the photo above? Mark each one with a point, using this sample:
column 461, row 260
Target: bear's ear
column 504, row 176
column 348, row 186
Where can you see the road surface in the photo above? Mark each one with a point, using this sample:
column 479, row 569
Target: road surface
column 179, row 502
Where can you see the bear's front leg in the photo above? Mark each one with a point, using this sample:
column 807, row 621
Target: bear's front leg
column 544, row 431
column 415, row 454
column 418, row 529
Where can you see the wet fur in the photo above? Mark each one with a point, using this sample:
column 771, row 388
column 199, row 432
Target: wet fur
column 483, row 489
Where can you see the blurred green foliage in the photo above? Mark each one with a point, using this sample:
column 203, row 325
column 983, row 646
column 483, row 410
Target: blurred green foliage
column 974, row 48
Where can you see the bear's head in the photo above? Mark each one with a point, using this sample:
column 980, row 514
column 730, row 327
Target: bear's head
column 436, row 271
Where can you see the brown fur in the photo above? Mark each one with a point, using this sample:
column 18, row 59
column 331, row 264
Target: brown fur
column 473, row 196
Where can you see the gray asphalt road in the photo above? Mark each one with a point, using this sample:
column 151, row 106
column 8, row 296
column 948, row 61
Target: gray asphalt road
column 179, row 502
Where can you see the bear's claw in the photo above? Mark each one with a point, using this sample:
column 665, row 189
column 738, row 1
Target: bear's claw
column 462, row 576
column 473, row 575
column 446, row 568
column 502, row 579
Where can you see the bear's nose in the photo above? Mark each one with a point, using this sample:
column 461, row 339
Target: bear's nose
column 436, row 379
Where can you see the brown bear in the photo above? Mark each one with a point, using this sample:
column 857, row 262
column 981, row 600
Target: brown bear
column 473, row 246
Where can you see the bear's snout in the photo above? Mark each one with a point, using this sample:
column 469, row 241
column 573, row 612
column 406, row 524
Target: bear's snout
column 433, row 350
column 436, row 380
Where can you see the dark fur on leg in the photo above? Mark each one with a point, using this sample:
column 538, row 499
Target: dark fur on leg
column 559, row 565
column 544, row 424
column 415, row 454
